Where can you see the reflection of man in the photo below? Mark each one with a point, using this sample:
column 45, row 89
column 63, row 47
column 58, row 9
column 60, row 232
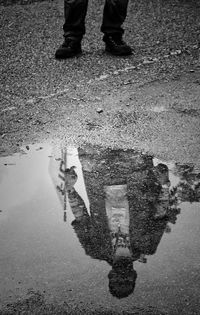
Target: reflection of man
column 162, row 204
column 101, row 243
column 123, row 190
column 188, row 189
column 122, row 277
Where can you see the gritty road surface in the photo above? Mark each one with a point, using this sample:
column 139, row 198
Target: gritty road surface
column 149, row 102
column 90, row 98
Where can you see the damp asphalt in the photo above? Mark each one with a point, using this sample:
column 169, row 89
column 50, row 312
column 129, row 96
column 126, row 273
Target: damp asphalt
column 74, row 134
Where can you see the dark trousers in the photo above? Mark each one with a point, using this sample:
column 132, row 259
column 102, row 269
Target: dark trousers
column 114, row 15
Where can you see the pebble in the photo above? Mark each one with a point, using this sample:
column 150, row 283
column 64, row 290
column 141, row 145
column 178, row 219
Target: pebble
column 99, row 110
column 102, row 77
column 146, row 61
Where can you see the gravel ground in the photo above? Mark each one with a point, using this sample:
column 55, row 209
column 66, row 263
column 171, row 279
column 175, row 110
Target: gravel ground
column 38, row 92
column 42, row 98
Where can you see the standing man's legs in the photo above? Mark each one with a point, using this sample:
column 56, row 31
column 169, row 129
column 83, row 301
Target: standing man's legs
column 74, row 28
column 114, row 15
column 75, row 13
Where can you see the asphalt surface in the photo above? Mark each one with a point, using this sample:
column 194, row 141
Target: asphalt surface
column 46, row 99
column 148, row 101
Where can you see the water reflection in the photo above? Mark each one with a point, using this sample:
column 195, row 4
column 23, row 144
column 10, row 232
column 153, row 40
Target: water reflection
column 188, row 189
column 131, row 203
column 122, row 205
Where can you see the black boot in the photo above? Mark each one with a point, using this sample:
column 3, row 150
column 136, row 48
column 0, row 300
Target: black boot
column 116, row 46
column 70, row 48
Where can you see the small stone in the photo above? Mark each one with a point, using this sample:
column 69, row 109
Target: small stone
column 75, row 98
column 27, row 147
column 179, row 52
column 128, row 82
column 103, row 77
column 147, row 61
column 30, row 101
column 191, row 70
column 97, row 98
column 173, row 53
column 99, row 110
column 130, row 68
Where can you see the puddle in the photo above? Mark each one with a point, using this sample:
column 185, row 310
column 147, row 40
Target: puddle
column 100, row 227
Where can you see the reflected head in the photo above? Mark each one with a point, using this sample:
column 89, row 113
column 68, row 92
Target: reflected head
column 122, row 284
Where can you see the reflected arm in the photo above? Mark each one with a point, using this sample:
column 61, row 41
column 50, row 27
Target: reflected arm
column 77, row 204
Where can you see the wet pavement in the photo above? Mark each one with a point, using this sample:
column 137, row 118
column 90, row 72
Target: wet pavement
column 94, row 230
column 100, row 229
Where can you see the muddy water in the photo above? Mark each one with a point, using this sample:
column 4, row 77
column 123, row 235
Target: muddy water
column 70, row 218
